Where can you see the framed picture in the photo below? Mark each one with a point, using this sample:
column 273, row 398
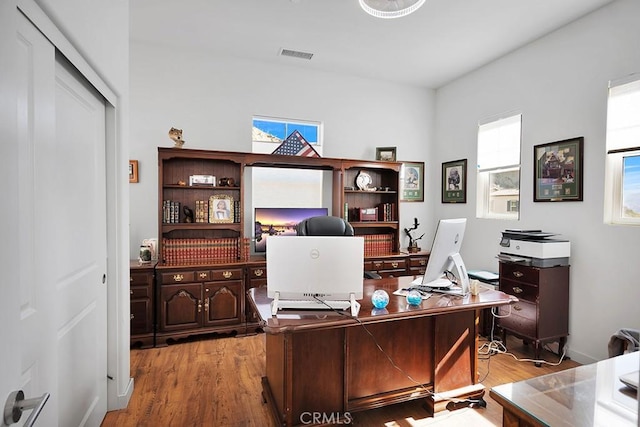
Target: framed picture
column 133, row 171
column 412, row 182
column 558, row 171
column 387, row 154
column 220, row 208
column 454, row 181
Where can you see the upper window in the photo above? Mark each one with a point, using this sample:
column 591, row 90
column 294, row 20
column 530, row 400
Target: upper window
column 498, row 184
column 269, row 132
column 622, row 195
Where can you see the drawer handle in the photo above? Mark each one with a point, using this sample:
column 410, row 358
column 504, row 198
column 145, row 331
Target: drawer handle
column 178, row 277
column 199, row 306
column 377, row 264
column 518, row 274
column 517, row 290
column 130, row 291
column 130, row 279
column 517, row 308
column 203, row 275
column 423, row 262
column 394, row 264
column 206, row 305
column 259, row 272
column 132, row 316
column 227, row 274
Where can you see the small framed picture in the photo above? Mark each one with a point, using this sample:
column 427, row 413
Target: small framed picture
column 202, row 180
column 558, row 171
column 454, row 181
column 133, row 171
column 220, row 209
column 412, row 182
column 386, row 154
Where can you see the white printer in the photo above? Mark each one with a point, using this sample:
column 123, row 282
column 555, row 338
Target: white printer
column 533, row 247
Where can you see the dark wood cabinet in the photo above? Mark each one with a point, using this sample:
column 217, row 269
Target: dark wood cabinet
column 542, row 312
column 417, row 263
column 199, row 301
column 141, row 281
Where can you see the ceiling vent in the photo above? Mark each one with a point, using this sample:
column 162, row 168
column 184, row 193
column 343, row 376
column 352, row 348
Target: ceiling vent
column 295, row 54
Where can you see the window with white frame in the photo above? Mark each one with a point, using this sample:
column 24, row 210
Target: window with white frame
column 498, row 183
column 622, row 169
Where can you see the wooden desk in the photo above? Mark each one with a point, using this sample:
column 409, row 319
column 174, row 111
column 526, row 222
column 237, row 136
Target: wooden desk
column 320, row 366
column 589, row 395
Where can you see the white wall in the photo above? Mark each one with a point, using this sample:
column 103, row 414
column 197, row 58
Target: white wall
column 559, row 83
column 214, row 98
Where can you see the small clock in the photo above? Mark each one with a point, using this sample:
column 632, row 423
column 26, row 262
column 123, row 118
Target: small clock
column 363, row 180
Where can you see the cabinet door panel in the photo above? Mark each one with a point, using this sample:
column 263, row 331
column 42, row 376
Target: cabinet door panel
column 141, row 319
column 181, row 306
column 222, row 303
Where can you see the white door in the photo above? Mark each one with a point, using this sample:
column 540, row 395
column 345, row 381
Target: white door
column 61, row 241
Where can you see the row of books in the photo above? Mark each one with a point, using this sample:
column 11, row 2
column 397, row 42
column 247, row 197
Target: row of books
column 170, row 212
column 201, row 212
column 378, row 244
column 189, row 251
column 385, row 212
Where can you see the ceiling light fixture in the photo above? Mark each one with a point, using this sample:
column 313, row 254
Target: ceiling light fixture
column 390, row 8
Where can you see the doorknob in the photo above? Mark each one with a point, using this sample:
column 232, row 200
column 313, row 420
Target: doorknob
column 16, row 404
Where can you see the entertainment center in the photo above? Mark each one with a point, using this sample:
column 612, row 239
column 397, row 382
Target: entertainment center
column 206, row 266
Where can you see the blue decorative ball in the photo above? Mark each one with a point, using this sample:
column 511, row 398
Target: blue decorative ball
column 380, row 299
column 414, row 297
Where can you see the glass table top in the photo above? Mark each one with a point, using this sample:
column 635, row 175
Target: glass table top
column 589, row 395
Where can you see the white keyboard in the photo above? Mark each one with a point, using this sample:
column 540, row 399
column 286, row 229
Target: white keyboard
column 313, row 305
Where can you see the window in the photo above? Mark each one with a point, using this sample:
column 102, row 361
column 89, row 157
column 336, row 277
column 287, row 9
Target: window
column 498, row 184
column 622, row 182
column 269, row 132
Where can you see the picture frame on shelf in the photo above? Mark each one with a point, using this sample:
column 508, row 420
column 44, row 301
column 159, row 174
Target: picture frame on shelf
column 221, row 209
column 202, row 180
column 558, row 171
column 386, row 154
column 133, row 171
column 454, row 181
column 412, row 182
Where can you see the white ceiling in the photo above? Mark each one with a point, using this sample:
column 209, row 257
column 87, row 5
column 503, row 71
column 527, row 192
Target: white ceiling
column 438, row 43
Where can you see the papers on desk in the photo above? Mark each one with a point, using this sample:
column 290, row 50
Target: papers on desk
column 404, row 292
column 486, row 276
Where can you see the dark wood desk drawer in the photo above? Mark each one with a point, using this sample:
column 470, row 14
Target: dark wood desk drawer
column 523, row 318
column 141, row 279
column 418, row 261
column 140, row 292
column 521, row 273
column 394, row 264
column 522, row 291
column 226, row 274
column 178, row 277
column 258, row 272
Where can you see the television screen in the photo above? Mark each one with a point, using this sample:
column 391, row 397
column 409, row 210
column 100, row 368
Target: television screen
column 280, row 222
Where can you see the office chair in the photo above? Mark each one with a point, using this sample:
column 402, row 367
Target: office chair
column 324, row 226
column 329, row 226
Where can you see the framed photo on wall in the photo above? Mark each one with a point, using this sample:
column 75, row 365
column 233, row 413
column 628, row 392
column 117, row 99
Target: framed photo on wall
column 454, row 181
column 412, row 182
column 558, row 171
column 387, row 154
column 220, row 209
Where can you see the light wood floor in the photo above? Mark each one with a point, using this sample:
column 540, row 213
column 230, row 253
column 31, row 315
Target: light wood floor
column 216, row 382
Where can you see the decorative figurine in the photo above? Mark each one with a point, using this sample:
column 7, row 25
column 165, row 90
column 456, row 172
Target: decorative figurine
column 188, row 214
column 176, row 136
column 413, row 243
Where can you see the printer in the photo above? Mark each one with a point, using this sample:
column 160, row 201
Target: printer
column 534, row 247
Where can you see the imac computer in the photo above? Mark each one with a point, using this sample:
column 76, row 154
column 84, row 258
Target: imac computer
column 315, row 272
column 445, row 261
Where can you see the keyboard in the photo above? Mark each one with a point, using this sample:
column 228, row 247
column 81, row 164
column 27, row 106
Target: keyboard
column 313, row 305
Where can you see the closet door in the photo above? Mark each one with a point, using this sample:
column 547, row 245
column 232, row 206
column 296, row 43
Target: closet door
column 61, row 235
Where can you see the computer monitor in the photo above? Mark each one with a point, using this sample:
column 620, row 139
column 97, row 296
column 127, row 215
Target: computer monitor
column 445, row 258
column 323, row 268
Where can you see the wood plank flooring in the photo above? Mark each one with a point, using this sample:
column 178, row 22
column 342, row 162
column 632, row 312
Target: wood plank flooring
column 216, row 382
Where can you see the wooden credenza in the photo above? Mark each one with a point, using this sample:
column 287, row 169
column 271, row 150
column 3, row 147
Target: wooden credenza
column 542, row 312
column 328, row 363
column 141, row 284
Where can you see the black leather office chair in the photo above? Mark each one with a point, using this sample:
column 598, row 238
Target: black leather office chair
column 329, row 226
column 324, row 226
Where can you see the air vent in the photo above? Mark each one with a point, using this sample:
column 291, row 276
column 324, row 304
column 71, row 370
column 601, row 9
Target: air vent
column 296, row 54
